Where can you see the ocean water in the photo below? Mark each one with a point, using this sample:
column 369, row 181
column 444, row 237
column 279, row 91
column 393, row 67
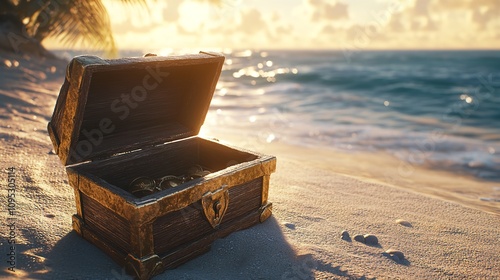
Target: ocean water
column 438, row 109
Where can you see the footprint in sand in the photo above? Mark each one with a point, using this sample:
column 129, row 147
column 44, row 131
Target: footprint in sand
column 345, row 236
column 371, row 239
column 359, row 238
column 289, row 225
column 403, row 223
column 396, row 255
column 368, row 239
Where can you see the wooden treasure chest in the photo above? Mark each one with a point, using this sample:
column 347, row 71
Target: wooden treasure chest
column 149, row 192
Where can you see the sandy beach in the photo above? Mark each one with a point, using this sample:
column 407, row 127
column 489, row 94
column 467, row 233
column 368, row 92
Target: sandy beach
column 446, row 232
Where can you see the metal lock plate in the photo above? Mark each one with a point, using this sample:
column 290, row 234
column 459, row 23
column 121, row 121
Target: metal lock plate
column 215, row 205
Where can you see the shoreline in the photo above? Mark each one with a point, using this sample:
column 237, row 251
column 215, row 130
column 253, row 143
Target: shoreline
column 385, row 169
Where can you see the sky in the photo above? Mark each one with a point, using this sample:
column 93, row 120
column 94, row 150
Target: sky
column 307, row 24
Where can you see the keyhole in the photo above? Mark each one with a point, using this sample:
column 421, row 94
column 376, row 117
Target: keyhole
column 217, row 207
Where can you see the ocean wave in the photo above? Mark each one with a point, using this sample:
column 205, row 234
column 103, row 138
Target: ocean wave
column 396, row 102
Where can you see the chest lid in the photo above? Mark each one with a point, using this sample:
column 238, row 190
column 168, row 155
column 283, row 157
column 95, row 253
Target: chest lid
column 107, row 107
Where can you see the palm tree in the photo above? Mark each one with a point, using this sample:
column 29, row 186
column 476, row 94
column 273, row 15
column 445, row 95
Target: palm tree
column 24, row 24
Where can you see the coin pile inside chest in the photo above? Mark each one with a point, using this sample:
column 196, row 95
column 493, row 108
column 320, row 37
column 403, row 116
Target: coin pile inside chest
column 142, row 186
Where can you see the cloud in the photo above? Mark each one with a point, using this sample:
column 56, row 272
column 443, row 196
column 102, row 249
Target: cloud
column 483, row 17
column 323, row 10
column 417, row 17
column 281, row 28
column 182, row 31
column 130, row 26
column 395, row 23
column 421, row 7
column 276, row 28
column 448, row 5
column 284, row 30
column 226, row 9
column 313, row 24
column 250, row 26
column 171, row 12
column 252, row 22
column 483, row 12
column 127, row 27
column 328, row 29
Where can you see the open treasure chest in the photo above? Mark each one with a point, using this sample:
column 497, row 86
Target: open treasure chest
column 149, row 192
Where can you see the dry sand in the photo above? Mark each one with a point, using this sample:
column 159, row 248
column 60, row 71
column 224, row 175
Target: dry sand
column 316, row 195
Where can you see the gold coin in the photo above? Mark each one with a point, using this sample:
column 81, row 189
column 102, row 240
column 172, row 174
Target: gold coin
column 197, row 172
column 170, row 182
column 142, row 186
column 195, row 169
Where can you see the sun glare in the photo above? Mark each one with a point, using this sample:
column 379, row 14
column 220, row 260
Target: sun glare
column 193, row 16
column 259, row 24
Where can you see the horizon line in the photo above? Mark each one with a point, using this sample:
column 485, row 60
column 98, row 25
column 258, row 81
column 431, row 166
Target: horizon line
column 282, row 49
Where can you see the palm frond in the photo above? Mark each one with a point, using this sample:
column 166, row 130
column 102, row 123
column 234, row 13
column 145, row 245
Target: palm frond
column 134, row 2
column 6, row 6
column 73, row 22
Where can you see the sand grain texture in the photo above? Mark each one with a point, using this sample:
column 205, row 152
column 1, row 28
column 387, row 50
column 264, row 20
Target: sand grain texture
column 312, row 205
